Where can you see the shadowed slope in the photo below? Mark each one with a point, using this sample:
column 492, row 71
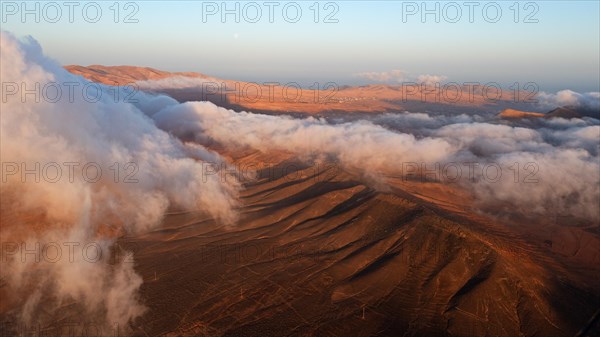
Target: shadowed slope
column 322, row 254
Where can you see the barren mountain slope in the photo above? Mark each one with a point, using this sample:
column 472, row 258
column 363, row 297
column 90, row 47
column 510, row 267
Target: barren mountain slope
column 289, row 98
column 318, row 253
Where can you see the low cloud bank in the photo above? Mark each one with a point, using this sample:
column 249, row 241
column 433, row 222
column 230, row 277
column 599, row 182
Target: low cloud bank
column 546, row 165
column 540, row 170
column 97, row 170
column 588, row 100
column 399, row 76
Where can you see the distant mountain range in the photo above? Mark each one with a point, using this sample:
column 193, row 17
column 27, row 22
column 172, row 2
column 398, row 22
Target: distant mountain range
column 239, row 95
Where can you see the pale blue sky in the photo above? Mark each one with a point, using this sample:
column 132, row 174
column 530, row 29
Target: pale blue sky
column 561, row 51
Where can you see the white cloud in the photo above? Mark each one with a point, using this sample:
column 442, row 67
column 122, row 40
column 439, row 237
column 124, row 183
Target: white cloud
column 431, row 80
column 169, row 174
column 392, row 76
column 589, row 100
column 399, row 76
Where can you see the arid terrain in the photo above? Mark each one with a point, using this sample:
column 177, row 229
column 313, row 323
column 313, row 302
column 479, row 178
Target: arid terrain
column 332, row 98
column 317, row 252
column 322, row 249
